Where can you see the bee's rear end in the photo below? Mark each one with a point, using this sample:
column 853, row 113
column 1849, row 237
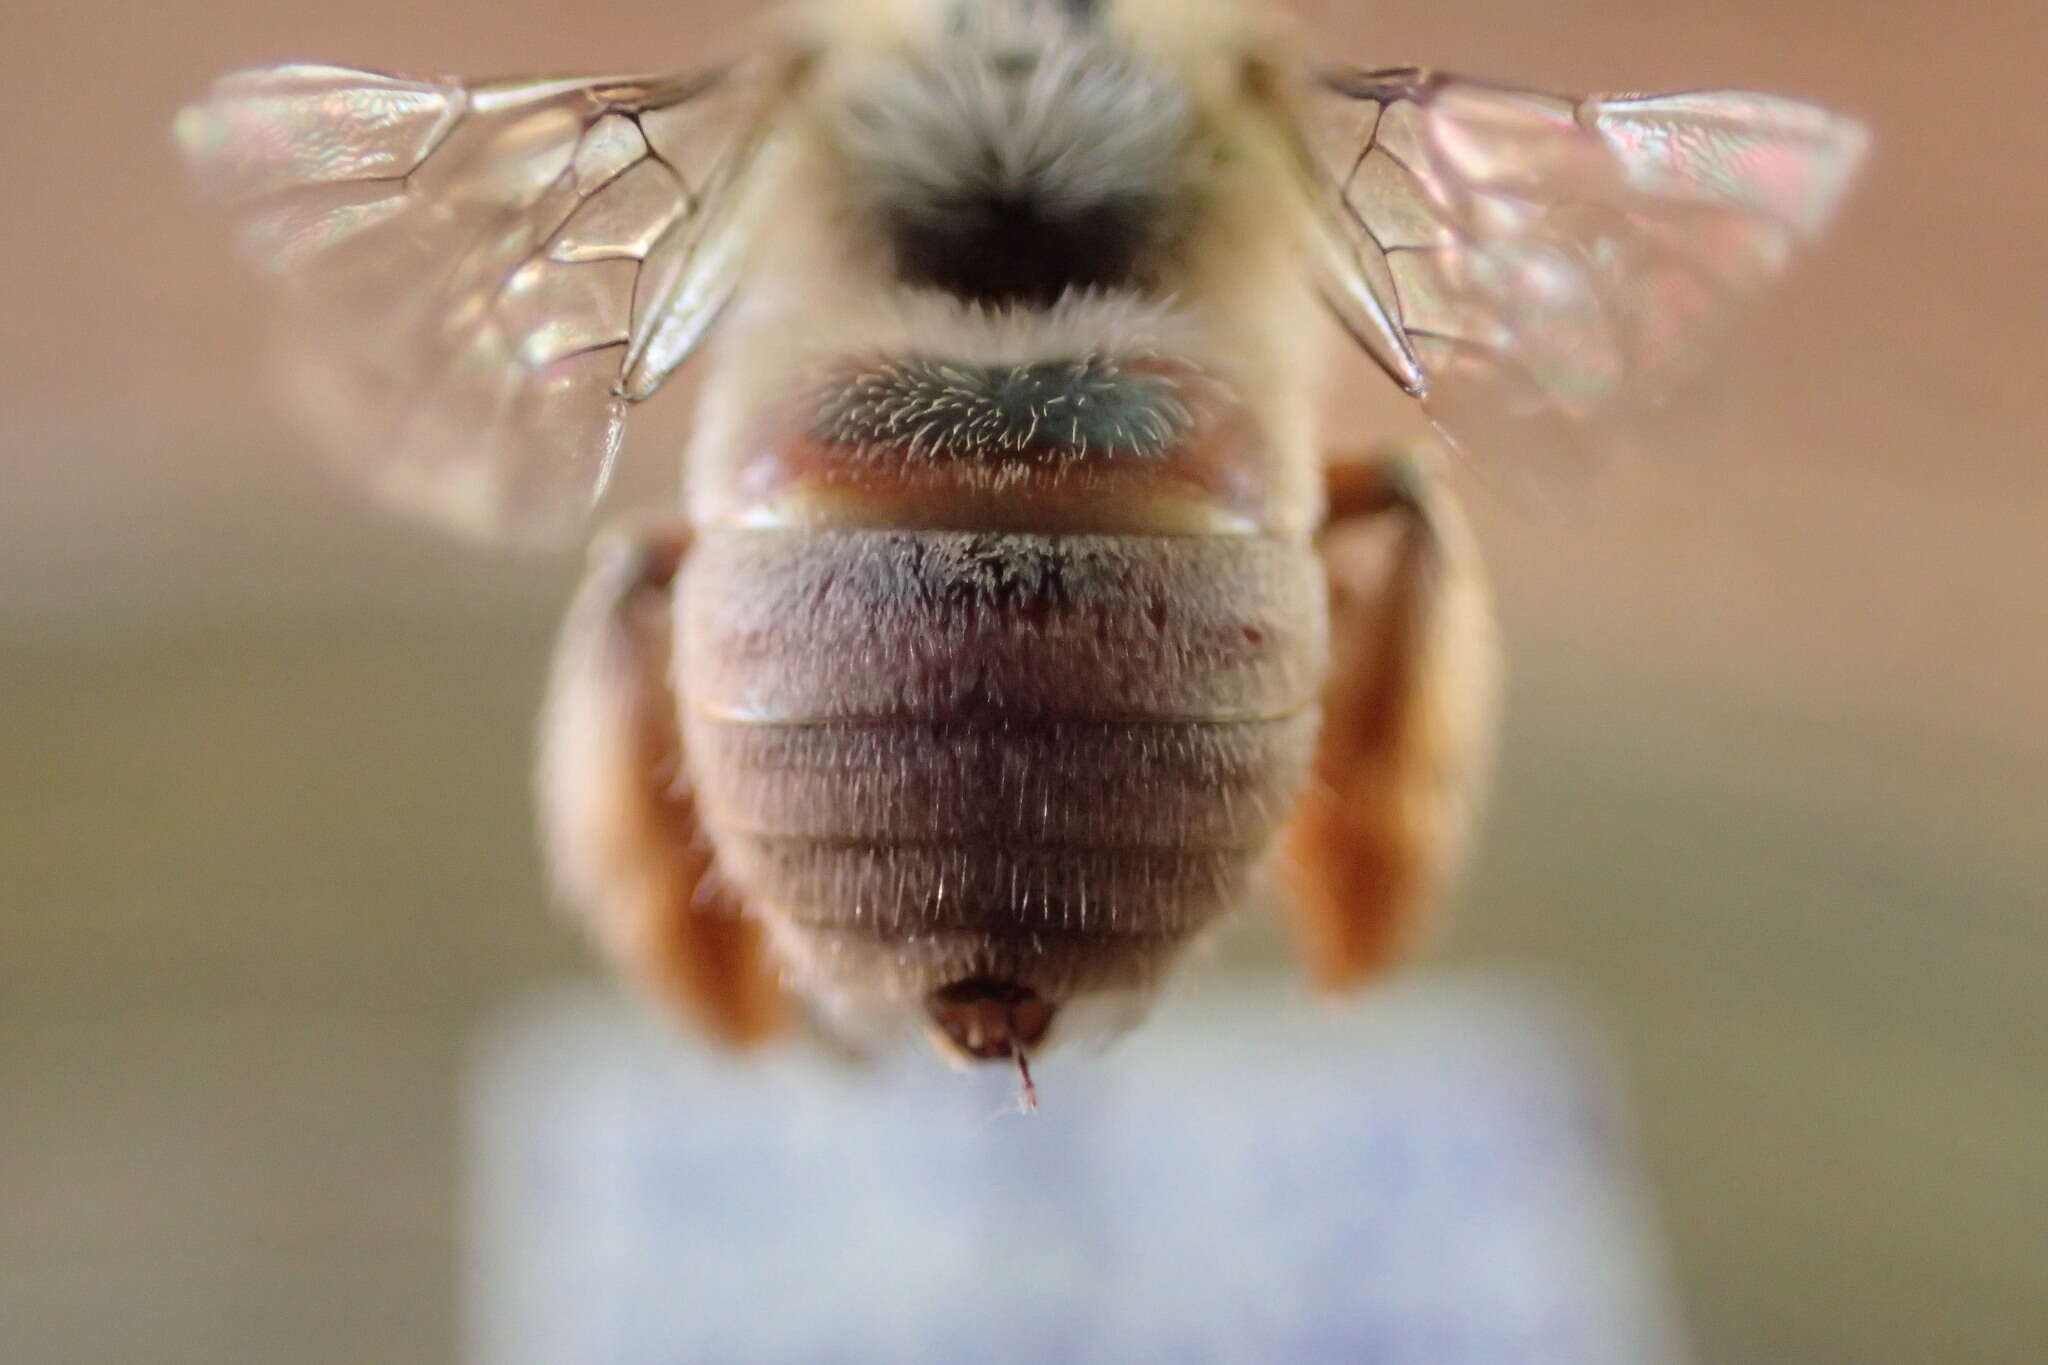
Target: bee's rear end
column 1050, row 760
column 998, row 670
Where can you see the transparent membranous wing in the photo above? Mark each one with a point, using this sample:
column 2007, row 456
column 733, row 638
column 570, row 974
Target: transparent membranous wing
column 484, row 275
column 1530, row 265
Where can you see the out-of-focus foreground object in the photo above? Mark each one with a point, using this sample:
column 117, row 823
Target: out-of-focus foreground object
column 1440, row 1178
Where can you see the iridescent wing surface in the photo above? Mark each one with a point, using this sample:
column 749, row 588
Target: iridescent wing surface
column 1521, row 260
column 485, row 274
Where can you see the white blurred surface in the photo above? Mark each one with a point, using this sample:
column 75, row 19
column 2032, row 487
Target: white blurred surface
column 1437, row 1178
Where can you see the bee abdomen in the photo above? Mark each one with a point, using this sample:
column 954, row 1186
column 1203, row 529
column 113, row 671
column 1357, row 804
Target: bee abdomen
column 809, row 626
column 1151, row 785
column 929, row 754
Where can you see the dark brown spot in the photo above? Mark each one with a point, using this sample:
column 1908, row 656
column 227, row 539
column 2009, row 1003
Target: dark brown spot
column 989, row 1020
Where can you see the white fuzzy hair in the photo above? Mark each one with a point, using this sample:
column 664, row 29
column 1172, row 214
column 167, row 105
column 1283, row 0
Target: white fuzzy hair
column 1015, row 101
column 1086, row 322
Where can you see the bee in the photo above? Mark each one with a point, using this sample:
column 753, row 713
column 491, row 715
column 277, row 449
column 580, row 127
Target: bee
column 1015, row 621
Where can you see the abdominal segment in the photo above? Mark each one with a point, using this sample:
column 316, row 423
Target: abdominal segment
column 1050, row 760
column 1089, row 443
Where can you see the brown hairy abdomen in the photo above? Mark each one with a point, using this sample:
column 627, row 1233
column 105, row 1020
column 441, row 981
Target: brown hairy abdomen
column 924, row 755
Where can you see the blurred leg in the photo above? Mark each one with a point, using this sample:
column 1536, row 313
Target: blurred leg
column 1408, row 719
column 619, row 824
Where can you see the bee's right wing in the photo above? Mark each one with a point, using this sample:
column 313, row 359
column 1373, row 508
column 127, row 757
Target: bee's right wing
column 484, row 274
column 1515, row 258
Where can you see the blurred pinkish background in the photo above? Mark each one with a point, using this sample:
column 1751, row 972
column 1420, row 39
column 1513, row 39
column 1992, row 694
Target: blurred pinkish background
column 1774, row 798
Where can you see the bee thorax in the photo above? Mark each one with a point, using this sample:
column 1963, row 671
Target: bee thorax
column 1022, row 157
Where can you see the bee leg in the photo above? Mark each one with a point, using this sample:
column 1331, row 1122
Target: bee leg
column 1408, row 716
column 619, row 824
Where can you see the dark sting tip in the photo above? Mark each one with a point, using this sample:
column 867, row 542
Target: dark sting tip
column 1027, row 1089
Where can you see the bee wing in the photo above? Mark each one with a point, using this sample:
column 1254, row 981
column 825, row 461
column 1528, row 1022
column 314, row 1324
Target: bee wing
column 485, row 274
column 1509, row 256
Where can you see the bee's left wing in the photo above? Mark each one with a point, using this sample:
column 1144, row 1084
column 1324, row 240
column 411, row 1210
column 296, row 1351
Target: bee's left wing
column 484, row 274
column 1507, row 255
